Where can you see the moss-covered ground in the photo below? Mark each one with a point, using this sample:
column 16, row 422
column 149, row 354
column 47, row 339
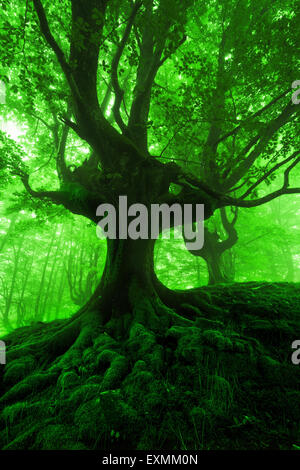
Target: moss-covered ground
column 226, row 382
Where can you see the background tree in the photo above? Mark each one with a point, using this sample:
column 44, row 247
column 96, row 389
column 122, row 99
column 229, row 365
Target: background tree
column 213, row 249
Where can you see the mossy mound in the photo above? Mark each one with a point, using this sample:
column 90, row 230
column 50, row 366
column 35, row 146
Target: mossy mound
column 225, row 382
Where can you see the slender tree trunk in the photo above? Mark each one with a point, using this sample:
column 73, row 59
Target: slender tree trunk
column 10, row 229
column 21, row 308
column 62, row 286
column 8, row 300
column 289, row 262
column 215, row 271
column 38, row 310
column 50, row 285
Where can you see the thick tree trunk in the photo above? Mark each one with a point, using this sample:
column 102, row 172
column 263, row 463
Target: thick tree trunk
column 127, row 294
column 129, row 266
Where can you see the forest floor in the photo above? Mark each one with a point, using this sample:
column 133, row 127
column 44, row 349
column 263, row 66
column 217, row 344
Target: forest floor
column 227, row 382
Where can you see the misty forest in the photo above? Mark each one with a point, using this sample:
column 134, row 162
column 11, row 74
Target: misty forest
column 140, row 343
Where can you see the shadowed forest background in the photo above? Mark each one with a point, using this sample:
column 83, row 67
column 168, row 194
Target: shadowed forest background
column 142, row 344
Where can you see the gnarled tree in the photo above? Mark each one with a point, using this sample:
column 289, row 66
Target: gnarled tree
column 218, row 114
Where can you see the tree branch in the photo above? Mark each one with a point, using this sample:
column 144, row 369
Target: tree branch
column 57, row 197
column 230, row 229
column 119, row 93
column 266, row 175
column 262, row 200
column 267, row 133
column 50, row 38
column 253, row 116
column 286, row 174
column 167, row 56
